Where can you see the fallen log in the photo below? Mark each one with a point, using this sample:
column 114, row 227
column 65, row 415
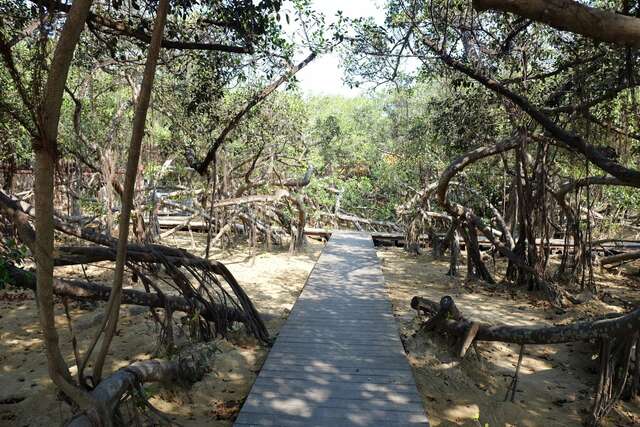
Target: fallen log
column 79, row 290
column 110, row 391
column 617, row 335
column 578, row 331
column 618, row 258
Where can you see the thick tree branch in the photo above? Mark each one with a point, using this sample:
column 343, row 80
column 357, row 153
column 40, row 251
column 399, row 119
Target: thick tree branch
column 201, row 168
column 79, row 290
column 578, row 331
column 572, row 16
column 569, row 139
column 108, row 25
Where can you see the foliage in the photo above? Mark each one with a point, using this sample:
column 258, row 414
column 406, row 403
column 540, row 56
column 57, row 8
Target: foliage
column 11, row 253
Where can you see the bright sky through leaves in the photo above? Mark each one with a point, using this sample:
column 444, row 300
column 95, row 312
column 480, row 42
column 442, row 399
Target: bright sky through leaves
column 324, row 75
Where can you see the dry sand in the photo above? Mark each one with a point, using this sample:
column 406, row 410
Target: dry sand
column 273, row 280
column 556, row 382
column 555, row 386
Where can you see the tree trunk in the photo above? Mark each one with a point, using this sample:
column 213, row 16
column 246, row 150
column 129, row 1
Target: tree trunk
column 139, row 121
column 454, row 248
column 568, row 15
column 297, row 234
column 475, row 266
column 46, row 149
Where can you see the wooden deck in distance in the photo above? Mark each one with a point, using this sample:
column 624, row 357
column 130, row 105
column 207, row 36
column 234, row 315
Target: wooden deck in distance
column 398, row 238
column 338, row 360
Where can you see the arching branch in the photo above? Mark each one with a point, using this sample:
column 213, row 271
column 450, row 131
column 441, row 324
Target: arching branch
column 568, row 15
column 457, row 210
column 201, row 168
column 111, row 26
column 569, row 139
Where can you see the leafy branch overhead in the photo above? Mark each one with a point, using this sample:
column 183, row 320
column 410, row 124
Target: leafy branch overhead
column 149, row 139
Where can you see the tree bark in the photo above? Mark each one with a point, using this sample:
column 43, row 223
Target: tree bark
column 111, row 390
column 297, row 236
column 133, row 158
column 577, row 331
column 46, row 149
column 567, row 15
column 475, row 266
column 454, row 247
column 614, row 259
column 79, row 290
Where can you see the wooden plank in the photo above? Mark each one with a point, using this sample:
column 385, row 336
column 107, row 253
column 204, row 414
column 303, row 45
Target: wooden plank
column 340, row 348
column 332, row 417
column 338, row 360
column 394, row 392
column 334, row 362
column 260, row 403
column 378, row 342
column 355, row 377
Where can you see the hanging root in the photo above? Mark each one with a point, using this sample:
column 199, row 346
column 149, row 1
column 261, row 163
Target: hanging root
column 513, row 387
column 213, row 302
column 208, row 291
column 615, row 362
column 206, row 285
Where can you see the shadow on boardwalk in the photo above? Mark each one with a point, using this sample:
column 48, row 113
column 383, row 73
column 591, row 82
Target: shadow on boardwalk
column 338, row 360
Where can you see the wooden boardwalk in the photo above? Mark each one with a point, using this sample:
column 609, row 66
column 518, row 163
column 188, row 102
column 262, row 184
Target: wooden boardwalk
column 338, row 360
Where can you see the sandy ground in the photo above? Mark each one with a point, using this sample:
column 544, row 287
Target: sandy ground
column 554, row 389
column 273, row 280
column 556, row 382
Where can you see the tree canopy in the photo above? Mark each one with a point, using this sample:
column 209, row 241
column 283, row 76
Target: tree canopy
column 512, row 124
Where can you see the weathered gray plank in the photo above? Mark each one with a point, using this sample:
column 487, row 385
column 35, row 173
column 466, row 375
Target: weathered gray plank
column 263, row 403
column 338, row 360
column 353, row 378
column 393, row 392
column 358, row 348
column 331, row 417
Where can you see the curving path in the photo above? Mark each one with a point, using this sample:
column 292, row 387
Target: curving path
column 338, row 360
